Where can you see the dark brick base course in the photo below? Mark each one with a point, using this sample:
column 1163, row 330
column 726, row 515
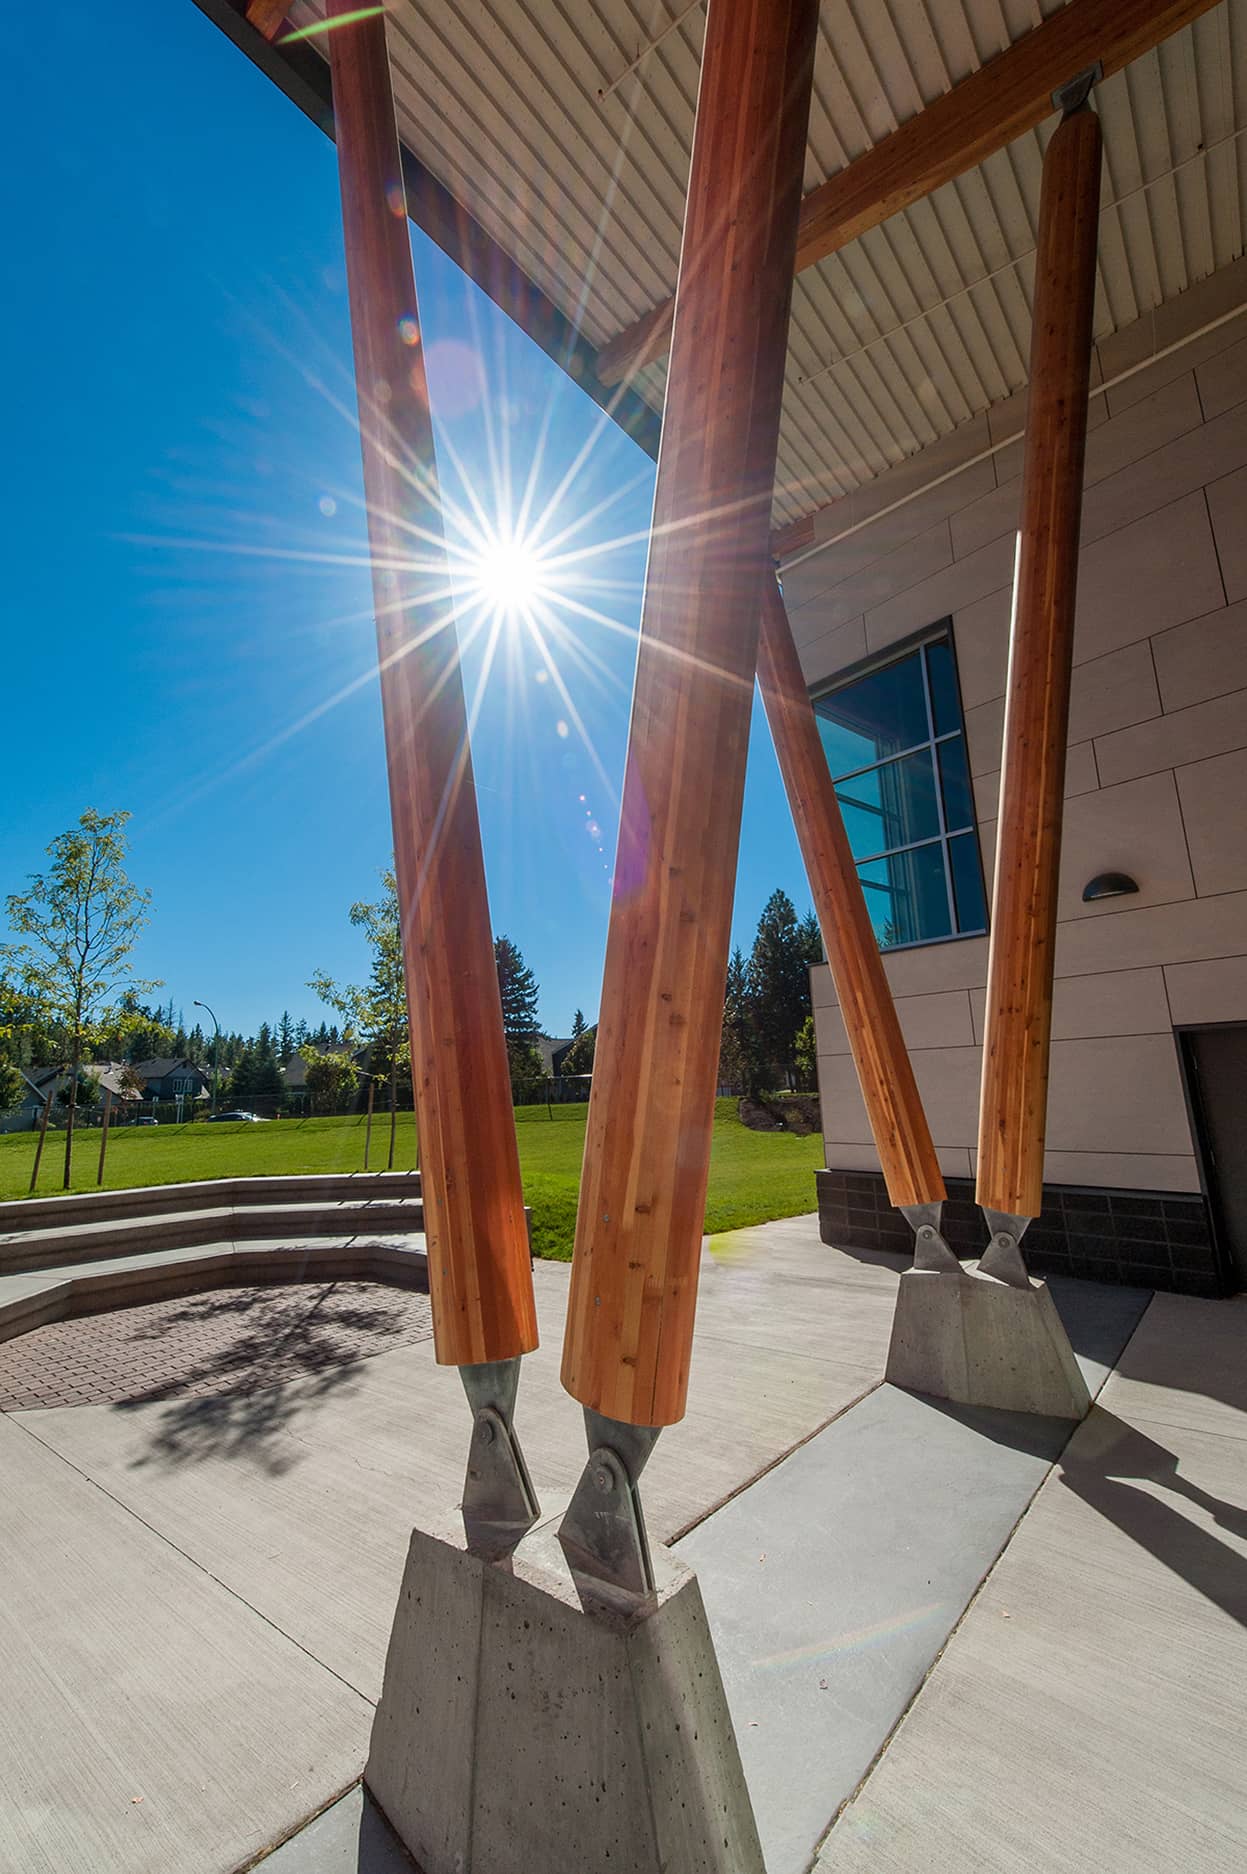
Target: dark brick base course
column 1146, row 1239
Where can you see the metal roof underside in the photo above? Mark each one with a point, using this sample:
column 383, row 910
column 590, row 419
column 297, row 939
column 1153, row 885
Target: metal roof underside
column 565, row 129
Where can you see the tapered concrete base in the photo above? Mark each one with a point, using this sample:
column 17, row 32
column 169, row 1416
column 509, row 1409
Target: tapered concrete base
column 518, row 1733
column 980, row 1341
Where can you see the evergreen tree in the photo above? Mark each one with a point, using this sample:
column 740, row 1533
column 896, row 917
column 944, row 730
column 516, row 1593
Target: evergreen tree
column 377, row 1012
column 518, row 988
column 579, row 1057
column 779, row 983
column 12, row 1086
column 810, row 939
column 301, row 1034
column 740, row 1055
column 578, row 1024
column 285, row 1038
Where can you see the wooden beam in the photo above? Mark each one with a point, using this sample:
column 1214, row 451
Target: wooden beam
column 479, row 1267
column 647, row 1151
column 1013, row 1110
column 267, row 15
column 1009, row 95
column 884, row 1070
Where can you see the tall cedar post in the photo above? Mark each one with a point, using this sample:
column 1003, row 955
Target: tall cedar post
column 884, row 1070
column 479, row 1270
column 1014, row 1102
column 643, row 1189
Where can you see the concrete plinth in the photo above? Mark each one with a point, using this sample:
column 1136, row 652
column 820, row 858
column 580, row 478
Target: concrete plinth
column 980, row 1341
column 518, row 1732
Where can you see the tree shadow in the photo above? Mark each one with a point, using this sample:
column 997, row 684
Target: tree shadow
column 240, row 1398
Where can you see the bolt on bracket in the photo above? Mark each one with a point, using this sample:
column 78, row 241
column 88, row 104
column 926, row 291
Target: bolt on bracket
column 499, row 1502
column 1073, row 94
column 1003, row 1255
column 603, row 1531
column 931, row 1250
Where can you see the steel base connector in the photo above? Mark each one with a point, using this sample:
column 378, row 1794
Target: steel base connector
column 499, row 1503
column 1003, row 1255
column 603, row 1532
column 931, row 1251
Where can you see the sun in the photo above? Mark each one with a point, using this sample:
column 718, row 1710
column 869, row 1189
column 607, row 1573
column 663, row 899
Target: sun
column 507, row 575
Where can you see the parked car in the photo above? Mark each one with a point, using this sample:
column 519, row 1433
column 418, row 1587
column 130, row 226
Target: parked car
column 147, row 1119
column 254, row 1119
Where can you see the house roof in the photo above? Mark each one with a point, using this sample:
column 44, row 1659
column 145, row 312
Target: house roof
column 160, row 1067
column 565, row 132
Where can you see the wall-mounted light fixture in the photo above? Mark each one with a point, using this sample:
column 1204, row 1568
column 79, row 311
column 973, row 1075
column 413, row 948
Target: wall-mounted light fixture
column 1108, row 885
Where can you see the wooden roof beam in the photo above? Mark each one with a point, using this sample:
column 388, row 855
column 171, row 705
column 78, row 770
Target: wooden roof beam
column 1009, row 95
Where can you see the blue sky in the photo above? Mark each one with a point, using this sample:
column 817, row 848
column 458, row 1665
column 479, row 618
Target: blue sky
column 186, row 616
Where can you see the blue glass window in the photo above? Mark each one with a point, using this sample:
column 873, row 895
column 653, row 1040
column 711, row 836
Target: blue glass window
column 894, row 743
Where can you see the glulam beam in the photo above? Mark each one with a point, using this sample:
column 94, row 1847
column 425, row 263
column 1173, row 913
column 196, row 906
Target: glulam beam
column 1008, row 96
column 885, row 1073
column 1018, row 1021
column 647, row 1150
column 479, row 1266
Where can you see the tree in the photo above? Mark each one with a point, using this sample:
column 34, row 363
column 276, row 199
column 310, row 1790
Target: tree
column 579, row 1057
column 331, row 1078
column 578, row 1024
column 285, row 1038
column 528, row 1072
column 779, row 981
column 256, row 1075
column 80, row 921
column 806, row 1052
column 376, row 1013
column 518, row 988
column 12, row 1085
column 740, row 1055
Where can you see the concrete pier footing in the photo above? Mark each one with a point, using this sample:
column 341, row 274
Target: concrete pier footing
column 517, row 1731
column 980, row 1341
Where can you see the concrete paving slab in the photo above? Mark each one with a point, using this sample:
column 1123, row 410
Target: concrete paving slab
column 150, row 1720
column 1090, row 1710
column 832, row 1582
column 350, row 1837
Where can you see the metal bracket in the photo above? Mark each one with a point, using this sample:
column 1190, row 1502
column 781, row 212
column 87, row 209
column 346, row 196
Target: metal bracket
column 1073, row 94
column 1003, row 1255
column 603, row 1532
column 931, row 1251
column 499, row 1503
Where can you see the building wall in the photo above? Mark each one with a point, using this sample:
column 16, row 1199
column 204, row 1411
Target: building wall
column 1156, row 780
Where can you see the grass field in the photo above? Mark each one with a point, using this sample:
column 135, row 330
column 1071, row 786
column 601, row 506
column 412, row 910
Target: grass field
column 754, row 1176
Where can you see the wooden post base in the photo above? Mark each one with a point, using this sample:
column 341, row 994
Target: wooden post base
column 517, row 1732
column 979, row 1341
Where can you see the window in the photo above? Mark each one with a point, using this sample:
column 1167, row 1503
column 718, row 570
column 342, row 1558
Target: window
column 894, row 743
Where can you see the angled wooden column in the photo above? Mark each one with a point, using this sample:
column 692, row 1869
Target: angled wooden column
column 884, row 1071
column 479, row 1267
column 1014, row 1104
column 642, row 1202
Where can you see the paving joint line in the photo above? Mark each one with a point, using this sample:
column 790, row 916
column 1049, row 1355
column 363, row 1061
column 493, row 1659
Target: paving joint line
column 199, row 1566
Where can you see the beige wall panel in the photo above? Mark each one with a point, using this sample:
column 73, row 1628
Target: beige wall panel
column 822, row 988
column 1114, row 1002
column 1222, row 292
column 1118, row 1093
column 1081, row 777
column 985, row 735
column 1173, row 933
column 1134, row 828
column 936, row 1021
column 1203, row 658
column 1227, row 503
column 1214, row 810
column 1123, row 1171
column 960, row 584
column 848, row 1155
column 961, row 964
column 843, row 1110
column 1185, row 735
column 981, row 641
column 1158, row 572
column 830, row 1034
column 1222, row 380
column 1204, row 454
column 892, row 531
column 1215, row 991
column 948, row 1080
column 887, row 575
column 827, row 656
column 1144, row 427
column 1113, row 692
column 993, row 514
column 965, row 442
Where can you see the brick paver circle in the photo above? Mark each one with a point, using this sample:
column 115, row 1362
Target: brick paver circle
column 229, row 1342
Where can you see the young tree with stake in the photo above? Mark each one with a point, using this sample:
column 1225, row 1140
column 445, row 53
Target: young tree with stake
column 77, row 926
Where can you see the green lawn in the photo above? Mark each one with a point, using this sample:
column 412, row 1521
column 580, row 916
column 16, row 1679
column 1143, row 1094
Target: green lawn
column 754, row 1176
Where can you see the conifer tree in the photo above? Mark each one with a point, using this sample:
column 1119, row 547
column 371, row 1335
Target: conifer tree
column 779, row 982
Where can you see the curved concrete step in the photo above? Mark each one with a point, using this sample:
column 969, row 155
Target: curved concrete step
column 31, row 1299
column 178, row 1229
column 23, row 1214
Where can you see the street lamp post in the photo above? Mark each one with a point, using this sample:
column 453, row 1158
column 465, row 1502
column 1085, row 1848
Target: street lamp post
column 216, row 1047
